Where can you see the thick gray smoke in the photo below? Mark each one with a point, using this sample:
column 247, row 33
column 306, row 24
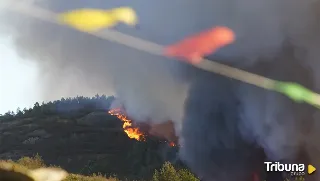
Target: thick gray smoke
column 222, row 132
column 225, row 122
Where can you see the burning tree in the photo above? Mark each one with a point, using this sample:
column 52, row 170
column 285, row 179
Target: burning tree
column 135, row 132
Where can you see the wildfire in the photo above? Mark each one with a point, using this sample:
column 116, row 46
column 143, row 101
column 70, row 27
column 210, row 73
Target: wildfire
column 133, row 133
column 172, row 144
column 129, row 129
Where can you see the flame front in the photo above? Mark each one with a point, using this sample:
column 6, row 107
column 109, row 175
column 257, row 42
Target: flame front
column 172, row 144
column 133, row 133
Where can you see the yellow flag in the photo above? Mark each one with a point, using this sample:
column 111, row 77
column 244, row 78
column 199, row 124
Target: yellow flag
column 96, row 19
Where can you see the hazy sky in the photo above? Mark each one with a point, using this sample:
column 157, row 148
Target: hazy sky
column 18, row 82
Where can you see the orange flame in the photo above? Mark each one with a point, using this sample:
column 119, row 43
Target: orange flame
column 133, row 133
column 172, row 144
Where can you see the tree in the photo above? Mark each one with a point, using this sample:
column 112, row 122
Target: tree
column 9, row 113
column 36, row 105
column 36, row 108
column 19, row 113
column 169, row 173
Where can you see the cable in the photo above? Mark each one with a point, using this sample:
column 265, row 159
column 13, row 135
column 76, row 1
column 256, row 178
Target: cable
column 146, row 46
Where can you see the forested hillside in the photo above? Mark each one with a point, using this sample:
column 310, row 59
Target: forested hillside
column 79, row 135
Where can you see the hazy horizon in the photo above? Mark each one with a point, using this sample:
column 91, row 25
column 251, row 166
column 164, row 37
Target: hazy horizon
column 18, row 79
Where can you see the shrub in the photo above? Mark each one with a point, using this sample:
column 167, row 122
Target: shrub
column 94, row 177
column 169, row 173
column 186, row 175
column 32, row 162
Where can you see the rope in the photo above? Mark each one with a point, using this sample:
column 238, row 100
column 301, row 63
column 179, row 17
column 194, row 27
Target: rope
column 146, row 46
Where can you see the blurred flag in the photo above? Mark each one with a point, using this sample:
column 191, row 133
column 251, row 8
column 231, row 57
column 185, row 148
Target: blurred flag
column 195, row 47
column 96, row 19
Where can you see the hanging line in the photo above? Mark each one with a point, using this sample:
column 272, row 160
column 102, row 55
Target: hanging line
column 294, row 91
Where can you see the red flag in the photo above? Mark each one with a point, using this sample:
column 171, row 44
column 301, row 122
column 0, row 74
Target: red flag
column 195, row 47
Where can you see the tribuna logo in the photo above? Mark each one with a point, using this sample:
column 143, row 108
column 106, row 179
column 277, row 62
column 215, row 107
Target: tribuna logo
column 294, row 169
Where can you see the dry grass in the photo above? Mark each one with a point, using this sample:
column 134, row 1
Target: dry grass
column 166, row 173
column 37, row 162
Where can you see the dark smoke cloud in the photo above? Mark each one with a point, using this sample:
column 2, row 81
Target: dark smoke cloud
column 212, row 144
column 225, row 122
column 222, row 132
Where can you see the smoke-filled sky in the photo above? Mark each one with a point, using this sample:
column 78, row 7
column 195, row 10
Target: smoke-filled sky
column 18, row 79
column 222, row 124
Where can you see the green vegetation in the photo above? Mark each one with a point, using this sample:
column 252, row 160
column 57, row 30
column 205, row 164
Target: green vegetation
column 78, row 135
column 66, row 107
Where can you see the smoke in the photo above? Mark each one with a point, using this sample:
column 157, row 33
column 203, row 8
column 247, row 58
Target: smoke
column 229, row 134
column 224, row 121
column 211, row 142
column 73, row 63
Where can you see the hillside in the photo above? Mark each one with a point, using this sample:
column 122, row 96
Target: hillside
column 80, row 136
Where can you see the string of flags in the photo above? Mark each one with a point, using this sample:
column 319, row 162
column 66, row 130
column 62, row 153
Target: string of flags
column 191, row 50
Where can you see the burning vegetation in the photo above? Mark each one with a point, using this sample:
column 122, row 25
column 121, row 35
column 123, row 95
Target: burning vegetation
column 128, row 127
column 132, row 132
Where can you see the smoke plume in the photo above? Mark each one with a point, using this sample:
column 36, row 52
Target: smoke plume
column 225, row 126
